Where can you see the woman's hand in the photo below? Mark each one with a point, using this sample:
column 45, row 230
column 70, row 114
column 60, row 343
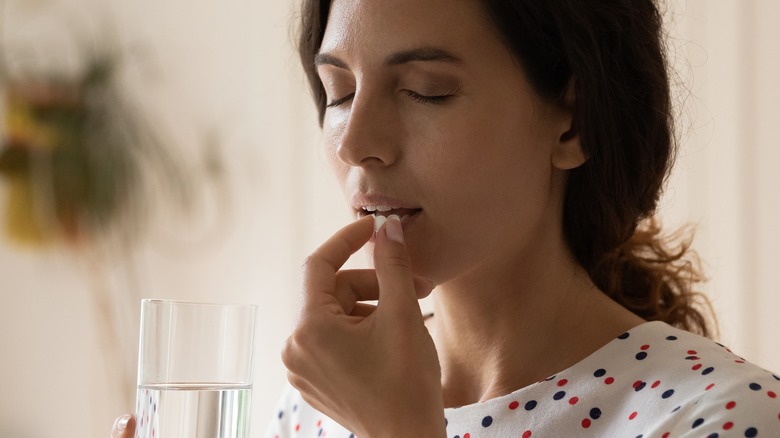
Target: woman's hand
column 373, row 369
column 124, row 427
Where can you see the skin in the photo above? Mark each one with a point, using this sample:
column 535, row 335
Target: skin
column 487, row 165
column 429, row 110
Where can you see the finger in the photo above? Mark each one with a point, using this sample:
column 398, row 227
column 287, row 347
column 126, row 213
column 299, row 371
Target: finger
column 355, row 285
column 325, row 261
column 394, row 270
column 362, row 310
column 124, row 427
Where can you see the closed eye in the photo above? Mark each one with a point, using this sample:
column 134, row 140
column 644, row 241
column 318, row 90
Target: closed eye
column 337, row 102
column 438, row 99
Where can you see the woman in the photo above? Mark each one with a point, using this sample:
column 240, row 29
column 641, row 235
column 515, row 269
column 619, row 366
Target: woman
column 517, row 149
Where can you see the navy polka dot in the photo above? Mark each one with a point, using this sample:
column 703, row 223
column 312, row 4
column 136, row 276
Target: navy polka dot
column 712, row 435
column 624, row 336
column 682, row 371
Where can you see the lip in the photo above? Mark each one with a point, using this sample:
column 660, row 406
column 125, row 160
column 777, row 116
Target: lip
column 361, row 200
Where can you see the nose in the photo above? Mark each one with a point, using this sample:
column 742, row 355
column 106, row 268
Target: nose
column 369, row 134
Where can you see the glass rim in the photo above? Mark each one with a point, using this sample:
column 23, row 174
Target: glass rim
column 195, row 303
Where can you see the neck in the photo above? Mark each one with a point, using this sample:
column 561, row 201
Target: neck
column 541, row 315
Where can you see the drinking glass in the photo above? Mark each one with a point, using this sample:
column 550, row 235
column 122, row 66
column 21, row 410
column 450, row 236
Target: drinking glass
column 194, row 370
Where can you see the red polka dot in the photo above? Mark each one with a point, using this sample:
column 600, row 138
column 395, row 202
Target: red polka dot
column 771, row 394
column 728, row 425
column 297, row 427
column 666, row 435
column 466, row 435
column 655, row 384
column 696, row 367
column 573, row 401
column 562, row 382
column 731, row 404
column 644, row 347
column 739, row 361
column 527, row 434
column 692, row 352
column 514, row 405
column 586, row 423
column 637, row 383
column 710, row 386
column 319, row 423
column 609, row 380
column 632, row 416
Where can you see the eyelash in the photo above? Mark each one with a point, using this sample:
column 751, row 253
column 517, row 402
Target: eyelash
column 338, row 102
column 433, row 100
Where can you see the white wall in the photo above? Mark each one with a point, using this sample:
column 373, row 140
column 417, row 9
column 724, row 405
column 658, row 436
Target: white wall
column 726, row 181
column 228, row 64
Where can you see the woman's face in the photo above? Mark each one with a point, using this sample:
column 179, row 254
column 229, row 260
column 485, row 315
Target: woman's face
column 429, row 114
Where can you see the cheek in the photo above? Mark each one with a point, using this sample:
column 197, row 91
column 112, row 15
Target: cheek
column 329, row 151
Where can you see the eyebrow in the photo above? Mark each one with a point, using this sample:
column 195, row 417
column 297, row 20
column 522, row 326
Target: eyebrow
column 398, row 58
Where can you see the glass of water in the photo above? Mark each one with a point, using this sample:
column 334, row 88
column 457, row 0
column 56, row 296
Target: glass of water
column 194, row 370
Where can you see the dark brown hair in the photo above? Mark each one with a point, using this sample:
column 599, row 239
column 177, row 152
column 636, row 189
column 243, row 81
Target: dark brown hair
column 613, row 53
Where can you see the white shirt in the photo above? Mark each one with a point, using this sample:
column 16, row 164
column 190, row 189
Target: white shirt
column 652, row 381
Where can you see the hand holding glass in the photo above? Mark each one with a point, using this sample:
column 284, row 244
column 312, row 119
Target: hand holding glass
column 194, row 370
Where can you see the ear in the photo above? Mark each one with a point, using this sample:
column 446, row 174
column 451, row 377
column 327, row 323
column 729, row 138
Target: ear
column 568, row 153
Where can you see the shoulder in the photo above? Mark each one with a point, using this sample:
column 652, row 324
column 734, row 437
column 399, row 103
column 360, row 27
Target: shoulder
column 718, row 392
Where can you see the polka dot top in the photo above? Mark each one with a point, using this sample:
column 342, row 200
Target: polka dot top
column 652, row 381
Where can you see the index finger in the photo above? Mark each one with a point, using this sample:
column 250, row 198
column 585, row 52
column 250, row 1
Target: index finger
column 321, row 266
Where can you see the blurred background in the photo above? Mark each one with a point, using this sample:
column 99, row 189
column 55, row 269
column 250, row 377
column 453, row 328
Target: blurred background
column 230, row 190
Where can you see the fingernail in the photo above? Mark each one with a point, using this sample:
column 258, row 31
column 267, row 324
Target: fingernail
column 393, row 229
column 121, row 422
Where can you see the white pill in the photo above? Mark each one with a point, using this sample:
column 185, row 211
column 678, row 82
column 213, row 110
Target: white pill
column 378, row 221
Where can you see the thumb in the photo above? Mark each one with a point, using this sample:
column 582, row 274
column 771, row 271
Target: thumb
column 393, row 266
column 124, row 427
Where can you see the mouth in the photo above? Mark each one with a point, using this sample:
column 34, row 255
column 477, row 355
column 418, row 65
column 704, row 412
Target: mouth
column 387, row 210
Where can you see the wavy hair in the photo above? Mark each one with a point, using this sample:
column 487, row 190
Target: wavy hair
column 613, row 52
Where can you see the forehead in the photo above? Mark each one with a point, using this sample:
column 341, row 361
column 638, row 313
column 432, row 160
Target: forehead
column 364, row 29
